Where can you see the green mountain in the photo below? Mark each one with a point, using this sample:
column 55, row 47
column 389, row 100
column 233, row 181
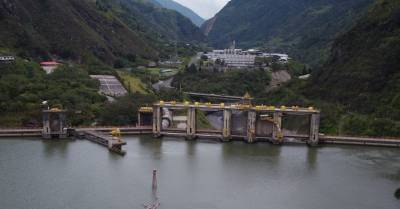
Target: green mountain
column 363, row 72
column 358, row 87
column 303, row 28
column 173, row 5
column 107, row 29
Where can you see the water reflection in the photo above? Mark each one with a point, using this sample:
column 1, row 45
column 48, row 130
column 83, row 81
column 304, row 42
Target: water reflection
column 191, row 148
column 114, row 157
column 397, row 193
column 58, row 147
column 254, row 152
column 312, row 156
column 152, row 145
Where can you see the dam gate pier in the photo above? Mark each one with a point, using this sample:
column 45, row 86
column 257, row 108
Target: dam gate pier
column 236, row 121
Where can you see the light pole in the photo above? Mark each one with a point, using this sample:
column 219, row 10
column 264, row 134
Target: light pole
column 47, row 104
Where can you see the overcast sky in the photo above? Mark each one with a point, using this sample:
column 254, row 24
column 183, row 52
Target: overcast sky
column 204, row 8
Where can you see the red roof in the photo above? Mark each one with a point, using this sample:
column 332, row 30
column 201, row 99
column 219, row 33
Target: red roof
column 49, row 63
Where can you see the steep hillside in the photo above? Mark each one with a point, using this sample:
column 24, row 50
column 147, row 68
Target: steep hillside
column 159, row 23
column 358, row 88
column 108, row 29
column 303, row 28
column 170, row 4
column 363, row 72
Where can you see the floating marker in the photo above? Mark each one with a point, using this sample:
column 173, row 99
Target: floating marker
column 154, row 179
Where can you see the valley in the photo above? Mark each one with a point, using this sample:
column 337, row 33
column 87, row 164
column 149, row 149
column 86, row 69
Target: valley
column 158, row 54
column 146, row 104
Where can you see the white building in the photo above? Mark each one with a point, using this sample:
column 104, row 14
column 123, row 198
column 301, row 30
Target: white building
column 234, row 58
column 238, row 58
column 282, row 57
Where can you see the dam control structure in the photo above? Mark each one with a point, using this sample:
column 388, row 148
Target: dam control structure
column 233, row 121
column 54, row 123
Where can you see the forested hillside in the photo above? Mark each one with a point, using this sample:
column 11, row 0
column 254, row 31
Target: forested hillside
column 24, row 86
column 303, row 28
column 107, row 29
column 358, row 88
column 87, row 36
column 363, row 73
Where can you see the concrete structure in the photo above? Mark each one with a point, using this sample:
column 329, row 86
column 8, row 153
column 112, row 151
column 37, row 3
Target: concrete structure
column 54, row 124
column 114, row 143
column 239, row 121
column 323, row 139
column 50, row 66
column 246, row 99
column 237, row 58
column 145, row 116
column 233, row 58
column 282, row 57
column 305, row 77
column 110, row 85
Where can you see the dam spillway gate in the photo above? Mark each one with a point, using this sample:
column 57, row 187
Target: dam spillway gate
column 236, row 121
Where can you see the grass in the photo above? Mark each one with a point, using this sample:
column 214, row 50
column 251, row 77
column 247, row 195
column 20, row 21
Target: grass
column 133, row 83
column 157, row 71
column 202, row 121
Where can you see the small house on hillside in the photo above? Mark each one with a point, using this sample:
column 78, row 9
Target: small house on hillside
column 49, row 66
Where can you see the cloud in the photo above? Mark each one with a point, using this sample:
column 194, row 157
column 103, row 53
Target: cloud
column 205, row 8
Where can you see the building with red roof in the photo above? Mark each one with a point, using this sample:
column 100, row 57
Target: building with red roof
column 49, row 66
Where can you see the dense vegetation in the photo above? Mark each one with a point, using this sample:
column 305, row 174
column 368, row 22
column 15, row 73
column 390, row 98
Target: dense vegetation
column 24, row 86
column 236, row 82
column 103, row 29
column 358, row 89
column 90, row 37
column 229, row 83
column 124, row 111
column 303, row 28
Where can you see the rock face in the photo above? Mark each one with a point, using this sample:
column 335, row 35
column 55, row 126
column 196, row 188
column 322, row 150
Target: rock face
column 363, row 71
column 303, row 28
column 278, row 78
column 107, row 29
column 208, row 25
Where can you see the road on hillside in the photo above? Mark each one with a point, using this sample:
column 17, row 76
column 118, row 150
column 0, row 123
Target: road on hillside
column 163, row 84
column 195, row 59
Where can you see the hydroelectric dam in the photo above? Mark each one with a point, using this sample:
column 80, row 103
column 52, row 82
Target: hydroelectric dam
column 221, row 122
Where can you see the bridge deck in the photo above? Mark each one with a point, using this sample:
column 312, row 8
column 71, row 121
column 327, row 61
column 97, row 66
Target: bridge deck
column 20, row 132
column 324, row 139
column 360, row 141
column 35, row 132
column 113, row 144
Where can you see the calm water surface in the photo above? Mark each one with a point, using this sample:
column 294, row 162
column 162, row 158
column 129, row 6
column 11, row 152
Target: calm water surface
column 37, row 174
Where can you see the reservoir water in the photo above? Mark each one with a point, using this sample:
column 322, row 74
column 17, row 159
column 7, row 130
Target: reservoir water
column 36, row 174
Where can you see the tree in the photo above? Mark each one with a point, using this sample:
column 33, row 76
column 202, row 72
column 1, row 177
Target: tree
column 192, row 68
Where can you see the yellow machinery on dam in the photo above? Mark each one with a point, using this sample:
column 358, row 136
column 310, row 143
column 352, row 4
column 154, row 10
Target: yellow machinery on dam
column 237, row 121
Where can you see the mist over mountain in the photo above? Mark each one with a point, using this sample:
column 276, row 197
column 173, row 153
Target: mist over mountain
column 305, row 29
column 170, row 4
